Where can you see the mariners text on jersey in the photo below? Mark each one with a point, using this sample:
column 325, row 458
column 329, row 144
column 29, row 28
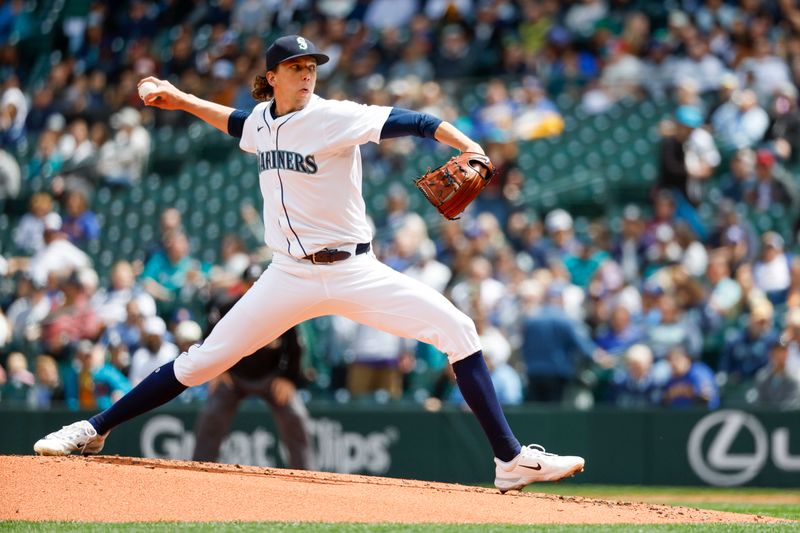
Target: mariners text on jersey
column 283, row 160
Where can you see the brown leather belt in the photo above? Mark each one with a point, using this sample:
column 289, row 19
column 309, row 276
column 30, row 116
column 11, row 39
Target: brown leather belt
column 332, row 255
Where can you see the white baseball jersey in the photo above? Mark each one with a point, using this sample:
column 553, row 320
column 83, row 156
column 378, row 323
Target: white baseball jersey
column 310, row 176
column 310, row 172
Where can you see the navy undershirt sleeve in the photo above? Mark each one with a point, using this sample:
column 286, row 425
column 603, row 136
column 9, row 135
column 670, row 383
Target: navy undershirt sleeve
column 404, row 122
column 236, row 123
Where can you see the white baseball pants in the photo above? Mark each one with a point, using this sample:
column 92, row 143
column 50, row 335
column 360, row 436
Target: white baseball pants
column 360, row 288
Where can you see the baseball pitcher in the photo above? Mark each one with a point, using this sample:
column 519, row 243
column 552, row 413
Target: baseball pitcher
column 307, row 150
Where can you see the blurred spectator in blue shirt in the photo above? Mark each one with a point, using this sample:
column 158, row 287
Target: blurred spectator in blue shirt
column 740, row 123
column 111, row 301
column 560, row 240
column 80, row 223
column 716, row 13
column 700, row 65
column 632, row 386
column 381, row 14
column 620, row 333
column 674, row 329
column 553, row 349
column 765, row 70
column 691, row 384
column 651, row 308
column 496, row 116
column 747, row 350
column 28, row 311
column 734, row 234
column 29, row 233
column 42, row 107
column 129, row 331
column 564, row 63
column 740, row 178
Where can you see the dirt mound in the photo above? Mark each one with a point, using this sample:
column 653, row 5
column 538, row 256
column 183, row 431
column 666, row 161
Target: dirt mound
column 122, row 489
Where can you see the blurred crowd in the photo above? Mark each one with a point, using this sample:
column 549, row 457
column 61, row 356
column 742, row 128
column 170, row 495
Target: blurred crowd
column 680, row 300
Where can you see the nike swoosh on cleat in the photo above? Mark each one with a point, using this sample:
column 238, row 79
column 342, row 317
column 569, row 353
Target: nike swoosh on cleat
column 259, row 128
column 537, row 467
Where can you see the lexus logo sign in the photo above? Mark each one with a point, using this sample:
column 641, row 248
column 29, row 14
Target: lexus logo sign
column 711, row 456
column 715, row 463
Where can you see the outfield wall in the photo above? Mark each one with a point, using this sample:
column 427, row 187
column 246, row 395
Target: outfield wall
column 725, row 448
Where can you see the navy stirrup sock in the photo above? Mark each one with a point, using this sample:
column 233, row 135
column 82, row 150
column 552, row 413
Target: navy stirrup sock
column 475, row 383
column 156, row 389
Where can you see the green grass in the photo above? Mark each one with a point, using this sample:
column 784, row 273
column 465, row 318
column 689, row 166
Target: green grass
column 603, row 491
column 314, row 527
column 689, row 496
column 790, row 512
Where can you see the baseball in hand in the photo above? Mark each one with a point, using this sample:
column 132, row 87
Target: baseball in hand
column 146, row 88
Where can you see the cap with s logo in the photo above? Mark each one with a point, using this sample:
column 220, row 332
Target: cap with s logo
column 291, row 46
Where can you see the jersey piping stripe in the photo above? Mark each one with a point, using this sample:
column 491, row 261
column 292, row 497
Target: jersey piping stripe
column 280, row 180
column 266, row 123
column 264, row 116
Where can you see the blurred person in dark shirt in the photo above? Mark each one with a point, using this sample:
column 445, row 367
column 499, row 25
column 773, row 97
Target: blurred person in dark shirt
column 673, row 173
column 777, row 386
column 740, row 178
column 747, row 350
column 773, row 183
column 784, row 130
column 630, row 247
column 272, row 372
column 633, row 386
column 691, row 384
column 554, row 348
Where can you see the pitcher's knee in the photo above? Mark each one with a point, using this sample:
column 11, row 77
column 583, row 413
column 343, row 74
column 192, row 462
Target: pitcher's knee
column 464, row 337
column 195, row 367
column 186, row 371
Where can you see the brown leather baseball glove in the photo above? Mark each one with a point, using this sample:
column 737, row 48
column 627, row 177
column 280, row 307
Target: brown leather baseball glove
column 452, row 186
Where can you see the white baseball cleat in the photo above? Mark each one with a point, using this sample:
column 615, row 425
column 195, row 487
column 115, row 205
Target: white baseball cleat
column 78, row 437
column 533, row 465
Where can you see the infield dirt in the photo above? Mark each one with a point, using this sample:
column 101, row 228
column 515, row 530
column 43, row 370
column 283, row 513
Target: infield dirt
column 123, row 489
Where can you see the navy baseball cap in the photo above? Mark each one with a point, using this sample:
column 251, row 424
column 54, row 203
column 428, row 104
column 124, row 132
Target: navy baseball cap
column 291, row 46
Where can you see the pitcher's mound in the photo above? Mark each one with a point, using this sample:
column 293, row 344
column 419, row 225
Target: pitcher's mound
column 122, row 489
